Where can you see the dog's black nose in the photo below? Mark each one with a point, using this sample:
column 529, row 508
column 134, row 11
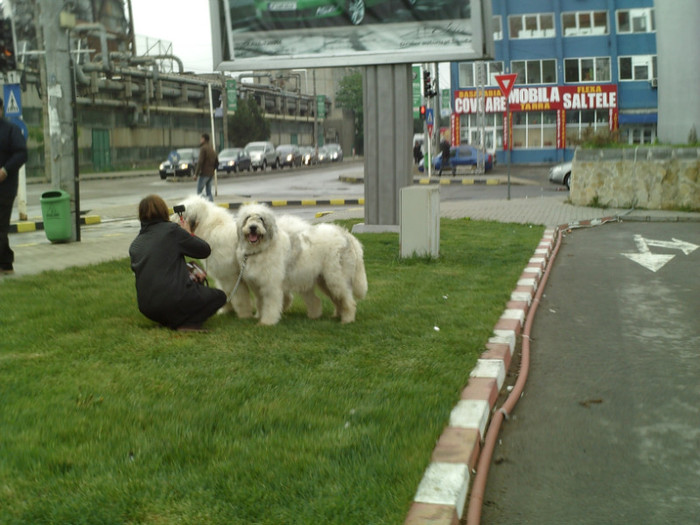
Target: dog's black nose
column 253, row 229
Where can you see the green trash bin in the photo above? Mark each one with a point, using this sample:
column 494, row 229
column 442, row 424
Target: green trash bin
column 55, row 210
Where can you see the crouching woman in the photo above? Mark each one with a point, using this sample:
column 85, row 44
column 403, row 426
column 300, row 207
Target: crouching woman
column 165, row 291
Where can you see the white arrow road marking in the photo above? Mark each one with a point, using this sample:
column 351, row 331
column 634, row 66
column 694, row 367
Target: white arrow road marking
column 686, row 247
column 650, row 261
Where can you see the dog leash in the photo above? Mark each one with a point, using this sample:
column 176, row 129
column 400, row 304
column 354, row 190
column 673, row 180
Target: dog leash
column 240, row 276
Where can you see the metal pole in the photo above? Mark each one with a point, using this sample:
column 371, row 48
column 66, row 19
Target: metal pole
column 22, row 194
column 427, row 137
column 224, row 110
column 213, row 140
column 510, row 141
column 315, row 102
column 76, row 158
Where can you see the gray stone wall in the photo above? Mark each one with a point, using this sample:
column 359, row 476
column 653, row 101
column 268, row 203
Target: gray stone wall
column 654, row 178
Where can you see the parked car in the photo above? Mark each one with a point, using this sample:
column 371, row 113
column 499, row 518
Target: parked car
column 335, row 151
column 561, row 174
column 289, row 155
column 323, row 155
column 234, row 160
column 463, row 155
column 180, row 163
column 262, row 154
column 309, row 155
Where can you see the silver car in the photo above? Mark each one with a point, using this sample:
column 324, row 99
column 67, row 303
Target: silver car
column 561, row 174
column 262, row 154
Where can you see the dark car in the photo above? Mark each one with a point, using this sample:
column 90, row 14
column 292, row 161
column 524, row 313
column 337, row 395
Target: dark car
column 335, row 152
column 464, row 155
column 234, row 160
column 288, row 155
column 180, row 163
column 309, row 155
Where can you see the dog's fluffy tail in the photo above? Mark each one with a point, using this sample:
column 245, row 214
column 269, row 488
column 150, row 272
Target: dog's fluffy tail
column 359, row 279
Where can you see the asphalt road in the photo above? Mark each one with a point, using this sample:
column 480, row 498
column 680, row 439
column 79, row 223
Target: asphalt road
column 102, row 194
column 608, row 428
column 300, row 183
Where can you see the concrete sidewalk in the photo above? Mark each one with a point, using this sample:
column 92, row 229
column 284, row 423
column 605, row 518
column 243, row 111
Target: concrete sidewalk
column 110, row 240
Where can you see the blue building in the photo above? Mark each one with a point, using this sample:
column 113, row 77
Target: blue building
column 580, row 64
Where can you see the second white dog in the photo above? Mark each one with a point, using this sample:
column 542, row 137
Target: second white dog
column 282, row 256
column 218, row 227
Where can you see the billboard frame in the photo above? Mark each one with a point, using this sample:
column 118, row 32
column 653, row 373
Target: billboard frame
column 224, row 59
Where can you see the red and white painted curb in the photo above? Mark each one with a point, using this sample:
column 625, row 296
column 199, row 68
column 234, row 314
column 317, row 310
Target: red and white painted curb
column 442, row 493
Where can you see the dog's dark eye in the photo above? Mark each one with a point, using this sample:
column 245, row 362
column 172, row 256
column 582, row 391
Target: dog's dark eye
column 262, row 220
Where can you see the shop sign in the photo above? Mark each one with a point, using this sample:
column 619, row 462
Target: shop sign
column 454, row 124
column 543, row 98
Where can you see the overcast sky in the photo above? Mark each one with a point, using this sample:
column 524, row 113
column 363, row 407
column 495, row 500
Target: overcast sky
column 185, row 23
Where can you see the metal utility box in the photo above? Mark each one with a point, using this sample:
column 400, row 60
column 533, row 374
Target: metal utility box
column 419, row 231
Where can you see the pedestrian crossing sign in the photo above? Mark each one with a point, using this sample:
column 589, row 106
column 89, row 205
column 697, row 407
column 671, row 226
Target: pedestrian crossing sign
column 13, row 100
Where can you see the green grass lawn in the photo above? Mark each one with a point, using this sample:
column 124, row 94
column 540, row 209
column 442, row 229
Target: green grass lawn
column 106, row 418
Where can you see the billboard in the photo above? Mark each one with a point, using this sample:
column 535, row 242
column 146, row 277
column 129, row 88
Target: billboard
column 286, row 34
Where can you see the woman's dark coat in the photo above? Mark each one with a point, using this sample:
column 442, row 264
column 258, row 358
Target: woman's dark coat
column 164, row 290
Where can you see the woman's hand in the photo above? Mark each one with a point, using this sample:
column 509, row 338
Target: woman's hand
column 184, row 225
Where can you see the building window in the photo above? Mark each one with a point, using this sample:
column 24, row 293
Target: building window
column 534, row 129
column 497, row 28
column 577, row 121
column 531, row 25
column 584, row 23
column 595, row 69
column 638, row 135
column 636, row 21
column 470, row 131
column 638, row 67
column 535, row 71
column 467, row 73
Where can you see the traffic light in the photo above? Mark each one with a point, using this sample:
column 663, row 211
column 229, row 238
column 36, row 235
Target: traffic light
column 427, row 87
column 7, row 46
column 422, row 112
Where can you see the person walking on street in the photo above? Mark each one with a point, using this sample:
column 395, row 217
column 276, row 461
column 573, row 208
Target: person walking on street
column 445, row 160
column 13, row 155
column 206, row 166
column 417, row 153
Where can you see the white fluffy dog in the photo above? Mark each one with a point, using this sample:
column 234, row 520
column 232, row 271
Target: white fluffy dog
column 218, row 228
column 286, row 255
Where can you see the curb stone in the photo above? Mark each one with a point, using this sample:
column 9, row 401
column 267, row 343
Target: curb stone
column 442, row 493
